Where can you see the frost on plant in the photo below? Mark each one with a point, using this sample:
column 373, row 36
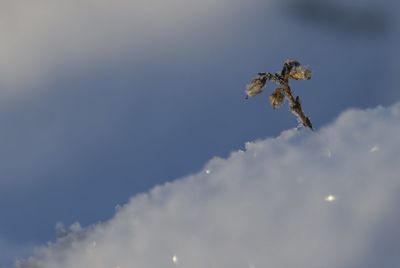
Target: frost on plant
column 292, row 69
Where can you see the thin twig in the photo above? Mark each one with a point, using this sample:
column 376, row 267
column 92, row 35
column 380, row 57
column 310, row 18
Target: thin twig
column 291, row 70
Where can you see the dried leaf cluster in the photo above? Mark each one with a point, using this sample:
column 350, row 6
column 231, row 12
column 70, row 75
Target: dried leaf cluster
column 292, row 69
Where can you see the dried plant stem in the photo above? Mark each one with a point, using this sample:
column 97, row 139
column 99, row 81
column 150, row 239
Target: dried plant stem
column 295, row 107
column 292, row 69
column 294, row 102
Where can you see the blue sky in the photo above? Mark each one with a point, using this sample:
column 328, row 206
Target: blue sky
column 101, row 101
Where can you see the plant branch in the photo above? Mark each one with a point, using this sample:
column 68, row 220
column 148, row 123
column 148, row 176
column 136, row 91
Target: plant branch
column 291, row 70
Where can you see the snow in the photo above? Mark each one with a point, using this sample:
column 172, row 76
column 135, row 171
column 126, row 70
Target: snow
column 253, row 212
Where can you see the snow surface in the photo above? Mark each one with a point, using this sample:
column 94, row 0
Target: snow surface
column 262, row 207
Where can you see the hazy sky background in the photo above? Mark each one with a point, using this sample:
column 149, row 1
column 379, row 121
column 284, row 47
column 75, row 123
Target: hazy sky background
column 103, row 100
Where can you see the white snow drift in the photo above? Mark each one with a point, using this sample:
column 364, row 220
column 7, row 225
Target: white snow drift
column 305, row 199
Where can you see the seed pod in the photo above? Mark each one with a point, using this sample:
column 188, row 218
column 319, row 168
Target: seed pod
column 288, row 65
column 276, row 98
column 256, row 85
column 300, row 73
